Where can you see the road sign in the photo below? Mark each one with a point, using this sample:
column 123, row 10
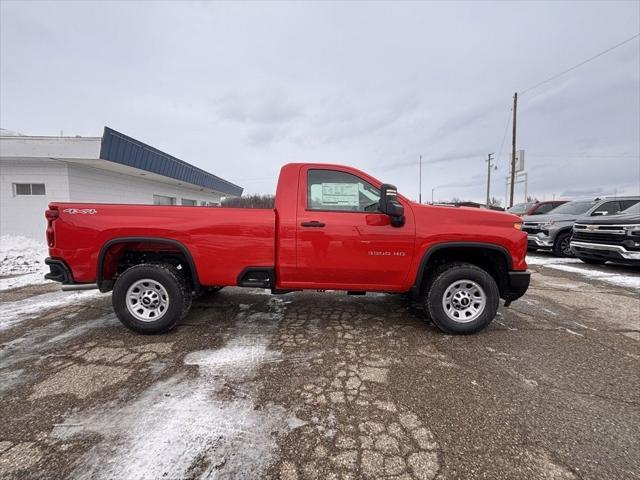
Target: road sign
column 520, row 161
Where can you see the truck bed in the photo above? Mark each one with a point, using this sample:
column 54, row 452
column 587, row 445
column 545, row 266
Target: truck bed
column 234, row 237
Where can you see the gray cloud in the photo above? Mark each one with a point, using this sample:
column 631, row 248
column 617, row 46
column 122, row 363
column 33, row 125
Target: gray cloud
column 241, row 88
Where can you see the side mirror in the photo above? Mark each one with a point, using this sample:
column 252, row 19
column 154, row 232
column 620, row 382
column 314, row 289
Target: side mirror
column 389, row 204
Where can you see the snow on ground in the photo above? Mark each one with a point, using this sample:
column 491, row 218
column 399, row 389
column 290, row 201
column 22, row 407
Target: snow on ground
column 183, row 427
column 619, row 279
column 12, row 313
column 550, row 260
column 575, row 265
column 22, row 258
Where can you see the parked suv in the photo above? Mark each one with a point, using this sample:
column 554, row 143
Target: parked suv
column 554, row 229
column 611, row 237
column 535, row 208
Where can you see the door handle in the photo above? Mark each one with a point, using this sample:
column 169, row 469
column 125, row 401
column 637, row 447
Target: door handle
column 313, row 223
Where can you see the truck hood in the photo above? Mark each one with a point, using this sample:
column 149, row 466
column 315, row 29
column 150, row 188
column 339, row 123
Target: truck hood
column 559, row 217
column 620, row 219
column 478, row 216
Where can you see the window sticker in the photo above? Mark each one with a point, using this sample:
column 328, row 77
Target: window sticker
column 336, row 194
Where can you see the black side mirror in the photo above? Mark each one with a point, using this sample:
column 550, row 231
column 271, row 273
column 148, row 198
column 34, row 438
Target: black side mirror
column 389, row 204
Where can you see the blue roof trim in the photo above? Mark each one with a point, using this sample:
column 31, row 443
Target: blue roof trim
column 119, row 148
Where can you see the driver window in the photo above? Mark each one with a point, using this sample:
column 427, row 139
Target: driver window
column 610, row 208
column 340, row 191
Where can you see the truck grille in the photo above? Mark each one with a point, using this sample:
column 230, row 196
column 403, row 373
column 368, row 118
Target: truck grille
column 532, row 228
column 598, row 237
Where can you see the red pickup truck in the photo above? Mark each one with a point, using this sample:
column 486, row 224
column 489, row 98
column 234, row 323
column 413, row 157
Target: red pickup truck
column 332, row 228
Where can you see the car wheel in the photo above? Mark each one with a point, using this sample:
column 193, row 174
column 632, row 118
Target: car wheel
column 592, row 261
column 462, row 298
column 151, row 298
column 562, row 245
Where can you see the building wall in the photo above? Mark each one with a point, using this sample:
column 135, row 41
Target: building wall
column 68, row 182
column 24, row 214
column 89, row 184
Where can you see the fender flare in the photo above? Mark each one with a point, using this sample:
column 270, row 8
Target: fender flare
column 417, row 285
column 174, row 243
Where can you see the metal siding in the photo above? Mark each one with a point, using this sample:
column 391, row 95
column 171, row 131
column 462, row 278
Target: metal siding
column 119, row 148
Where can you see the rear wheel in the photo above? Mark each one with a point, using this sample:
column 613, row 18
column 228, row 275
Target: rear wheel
column 151, row 298
column 462, row 298
column 562, row 245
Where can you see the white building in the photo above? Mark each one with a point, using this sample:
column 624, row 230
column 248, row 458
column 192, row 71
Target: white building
column 113, row 168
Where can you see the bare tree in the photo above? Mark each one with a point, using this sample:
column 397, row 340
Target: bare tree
column 249, row 201
column 495, row 202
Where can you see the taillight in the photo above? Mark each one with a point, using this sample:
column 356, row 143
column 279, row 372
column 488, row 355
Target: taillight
column 51, row 215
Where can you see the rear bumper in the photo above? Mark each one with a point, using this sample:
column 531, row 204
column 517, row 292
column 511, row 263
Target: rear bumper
column 604, row 251
column 517, row 285
column 59, row 271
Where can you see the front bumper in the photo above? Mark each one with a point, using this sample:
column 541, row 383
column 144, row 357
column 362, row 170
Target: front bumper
column 604, row 251
column 540, row 240
column 518, row 283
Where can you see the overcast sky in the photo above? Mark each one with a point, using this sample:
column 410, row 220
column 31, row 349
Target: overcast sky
column 240, row 89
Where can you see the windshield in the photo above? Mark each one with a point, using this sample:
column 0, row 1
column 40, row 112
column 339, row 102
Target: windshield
column 634, row 210
column 575, row 208
column 520, row 208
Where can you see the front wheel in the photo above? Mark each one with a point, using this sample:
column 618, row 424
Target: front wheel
column 562, row 245
column 462, row 298
column 151, row 298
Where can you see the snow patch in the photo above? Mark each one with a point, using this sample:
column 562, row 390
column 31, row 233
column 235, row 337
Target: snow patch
column 203, row 427
column 22, row 256
column 549, row 260
column 618, row 279
column 13, row 313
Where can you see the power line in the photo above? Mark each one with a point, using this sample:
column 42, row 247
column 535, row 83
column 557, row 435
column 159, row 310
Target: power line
column 580, row 64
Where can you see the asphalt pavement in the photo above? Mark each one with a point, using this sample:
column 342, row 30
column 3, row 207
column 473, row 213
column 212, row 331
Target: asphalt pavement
column 325, row 385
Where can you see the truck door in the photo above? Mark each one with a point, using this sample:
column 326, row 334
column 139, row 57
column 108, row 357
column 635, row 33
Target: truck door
column 342, row 241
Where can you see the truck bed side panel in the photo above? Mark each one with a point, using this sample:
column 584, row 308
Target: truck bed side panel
column 221, row 241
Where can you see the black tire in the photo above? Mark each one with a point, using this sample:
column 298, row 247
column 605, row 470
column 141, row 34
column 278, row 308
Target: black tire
column 561, row 245
column 447, row 276
column 592, row 261
column 178, row 292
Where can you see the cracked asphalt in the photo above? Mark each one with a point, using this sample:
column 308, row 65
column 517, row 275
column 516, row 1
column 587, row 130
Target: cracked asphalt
column 322, row 386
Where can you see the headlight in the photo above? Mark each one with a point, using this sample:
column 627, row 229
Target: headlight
column 517, row 226
column 547, row 225
column 632, row 229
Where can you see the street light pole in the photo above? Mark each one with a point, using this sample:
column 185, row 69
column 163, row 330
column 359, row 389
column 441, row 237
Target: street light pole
column 432, row 194
column 489, row 158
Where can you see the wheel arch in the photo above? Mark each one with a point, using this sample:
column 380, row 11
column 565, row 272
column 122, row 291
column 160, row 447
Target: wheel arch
column 464, row 251
column 106, row 285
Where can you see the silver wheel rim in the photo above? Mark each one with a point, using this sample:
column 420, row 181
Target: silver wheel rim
column 147, row 300
column 464, row 301
column 565, row 246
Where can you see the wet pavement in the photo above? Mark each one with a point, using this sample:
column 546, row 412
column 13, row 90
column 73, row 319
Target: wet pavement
column 311, row 385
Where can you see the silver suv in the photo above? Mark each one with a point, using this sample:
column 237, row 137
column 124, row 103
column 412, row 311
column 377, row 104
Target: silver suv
column 554, row 229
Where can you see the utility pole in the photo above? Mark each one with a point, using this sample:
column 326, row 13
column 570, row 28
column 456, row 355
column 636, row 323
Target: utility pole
column 420, row 183
column 513, row 149
column 432, row 194
column 488, row 160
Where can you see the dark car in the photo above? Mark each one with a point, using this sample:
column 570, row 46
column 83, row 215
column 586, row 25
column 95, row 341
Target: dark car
column 535, row 208
column 613, row 238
